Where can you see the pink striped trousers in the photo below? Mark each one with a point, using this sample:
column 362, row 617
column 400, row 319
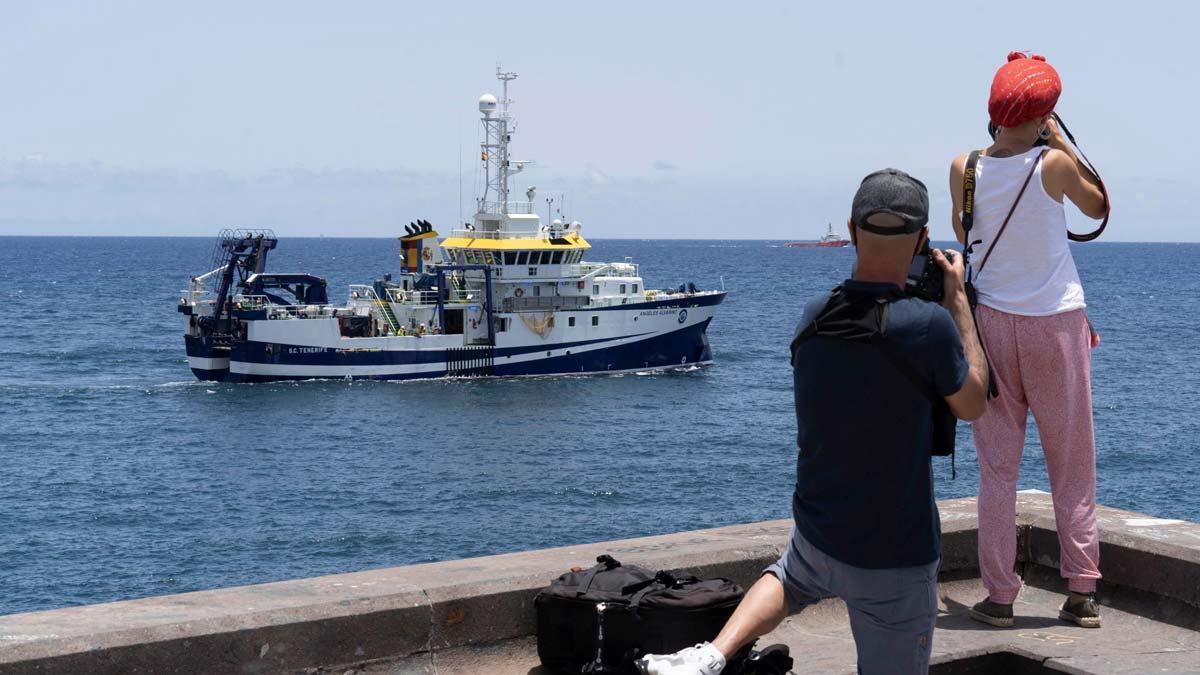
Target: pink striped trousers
column 1043, row 364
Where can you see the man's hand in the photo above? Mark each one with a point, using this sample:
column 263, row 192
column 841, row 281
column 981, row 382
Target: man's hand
column 955, row 276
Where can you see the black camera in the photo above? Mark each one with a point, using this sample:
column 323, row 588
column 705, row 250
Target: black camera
column 1038, row 142
column 926, row 280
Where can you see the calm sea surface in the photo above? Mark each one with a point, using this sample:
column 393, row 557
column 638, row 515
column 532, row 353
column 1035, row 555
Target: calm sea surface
column 124, row 477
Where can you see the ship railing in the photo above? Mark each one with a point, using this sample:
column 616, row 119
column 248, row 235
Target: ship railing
column 506, row 233
column 414, row 297
column 496, row 207
column 545, row 303
column 280, row 312
column 361, row 293
column 601, row 270
column 252, row 301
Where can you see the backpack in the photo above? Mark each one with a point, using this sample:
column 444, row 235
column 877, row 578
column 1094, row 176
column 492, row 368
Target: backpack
column 602, row 619
column 862, row 317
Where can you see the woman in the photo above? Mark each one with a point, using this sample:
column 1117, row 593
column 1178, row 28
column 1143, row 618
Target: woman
column 1032, row 323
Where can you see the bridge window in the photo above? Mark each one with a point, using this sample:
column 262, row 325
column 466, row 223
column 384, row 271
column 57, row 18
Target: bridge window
column 556, row 259
column 635, row 289
column 510, row 257
column 522, row 257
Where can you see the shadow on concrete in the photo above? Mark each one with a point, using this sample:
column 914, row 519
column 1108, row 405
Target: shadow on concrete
column 964, row 622
column 956, row 618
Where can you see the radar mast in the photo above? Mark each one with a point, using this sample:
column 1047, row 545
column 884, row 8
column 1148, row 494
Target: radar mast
column 493, row 207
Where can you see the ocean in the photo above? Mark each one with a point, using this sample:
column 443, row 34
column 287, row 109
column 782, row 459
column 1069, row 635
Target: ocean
column 124, row 477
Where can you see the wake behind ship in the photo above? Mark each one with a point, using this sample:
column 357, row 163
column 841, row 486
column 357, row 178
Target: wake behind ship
column 505, row 296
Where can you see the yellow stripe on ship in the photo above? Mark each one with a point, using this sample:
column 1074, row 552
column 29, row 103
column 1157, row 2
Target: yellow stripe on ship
column 571, row 241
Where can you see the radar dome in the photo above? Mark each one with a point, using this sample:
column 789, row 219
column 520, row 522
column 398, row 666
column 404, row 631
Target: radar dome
column 487, row 104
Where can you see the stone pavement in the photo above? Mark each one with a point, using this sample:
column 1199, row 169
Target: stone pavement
column 476, row 615
column 820, row 641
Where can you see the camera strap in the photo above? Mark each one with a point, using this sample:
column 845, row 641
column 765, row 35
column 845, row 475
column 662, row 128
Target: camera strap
column 992, row 129
column 1103, row 190
column 968, row 209
column 970, row 173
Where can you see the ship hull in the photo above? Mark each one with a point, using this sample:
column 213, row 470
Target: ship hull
column 641, row 337
column 816, row 244
column 208, row 363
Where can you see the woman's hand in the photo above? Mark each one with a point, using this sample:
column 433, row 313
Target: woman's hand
column 1058, row 140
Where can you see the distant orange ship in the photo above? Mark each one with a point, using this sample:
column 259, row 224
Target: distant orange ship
column 830, row 240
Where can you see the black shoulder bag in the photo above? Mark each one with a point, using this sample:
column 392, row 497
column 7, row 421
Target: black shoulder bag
column 864, row 319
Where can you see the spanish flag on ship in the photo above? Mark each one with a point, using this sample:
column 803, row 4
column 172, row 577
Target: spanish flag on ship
column 413, row 251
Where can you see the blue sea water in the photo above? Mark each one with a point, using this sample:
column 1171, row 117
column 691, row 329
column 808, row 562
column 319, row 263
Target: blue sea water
column 124, row 477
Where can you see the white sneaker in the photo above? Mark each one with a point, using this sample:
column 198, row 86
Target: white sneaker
column 703, row 659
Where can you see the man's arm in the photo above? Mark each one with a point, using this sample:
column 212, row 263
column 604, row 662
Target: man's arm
column 957, row 168
column 970, row 401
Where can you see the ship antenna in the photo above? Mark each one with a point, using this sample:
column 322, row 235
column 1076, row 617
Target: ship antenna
column 460, row 202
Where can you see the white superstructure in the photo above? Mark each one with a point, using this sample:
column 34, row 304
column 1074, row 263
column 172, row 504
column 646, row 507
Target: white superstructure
column 503, row 295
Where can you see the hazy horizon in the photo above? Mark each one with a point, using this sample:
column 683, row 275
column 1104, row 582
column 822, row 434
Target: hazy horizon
column 657, row 122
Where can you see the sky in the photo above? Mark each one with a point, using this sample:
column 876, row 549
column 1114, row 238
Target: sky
column 654, row 120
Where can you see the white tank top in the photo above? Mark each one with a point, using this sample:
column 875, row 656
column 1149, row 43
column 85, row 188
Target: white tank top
column 1031, row 271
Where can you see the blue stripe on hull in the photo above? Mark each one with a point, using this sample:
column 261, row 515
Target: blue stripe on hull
column 296, row 355
column 684, row 347
column 196, row 347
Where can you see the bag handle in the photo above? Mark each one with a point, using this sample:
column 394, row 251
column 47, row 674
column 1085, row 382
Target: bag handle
column 606, row 562
column 1011, row 210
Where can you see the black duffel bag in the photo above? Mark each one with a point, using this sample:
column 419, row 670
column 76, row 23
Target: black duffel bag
column 602, row 619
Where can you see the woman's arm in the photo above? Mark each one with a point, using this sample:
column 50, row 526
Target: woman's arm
column 957, row 167
column 1071, row 178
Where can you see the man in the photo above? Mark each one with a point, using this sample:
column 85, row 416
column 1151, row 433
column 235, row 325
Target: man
column 866, row 524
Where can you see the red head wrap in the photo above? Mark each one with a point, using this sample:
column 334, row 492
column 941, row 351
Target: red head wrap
column 1024, row 88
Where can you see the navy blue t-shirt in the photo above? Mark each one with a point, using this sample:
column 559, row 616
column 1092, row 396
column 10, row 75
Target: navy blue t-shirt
column 864, row 483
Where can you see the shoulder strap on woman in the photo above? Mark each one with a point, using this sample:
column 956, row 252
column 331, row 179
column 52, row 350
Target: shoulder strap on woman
column 968, row 203
column 1011, row 210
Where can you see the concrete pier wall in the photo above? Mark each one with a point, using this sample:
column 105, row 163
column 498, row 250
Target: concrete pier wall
column 348, row 620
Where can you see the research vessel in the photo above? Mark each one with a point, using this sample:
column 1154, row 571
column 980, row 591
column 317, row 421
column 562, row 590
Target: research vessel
column 830, row 240
column 504, row 295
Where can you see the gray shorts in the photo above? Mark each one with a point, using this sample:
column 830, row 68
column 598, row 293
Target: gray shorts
column 892, row 611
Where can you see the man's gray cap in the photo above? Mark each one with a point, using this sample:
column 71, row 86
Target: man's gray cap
column 894, row 192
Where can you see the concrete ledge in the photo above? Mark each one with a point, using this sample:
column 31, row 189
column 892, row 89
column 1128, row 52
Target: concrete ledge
column 406, row 612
